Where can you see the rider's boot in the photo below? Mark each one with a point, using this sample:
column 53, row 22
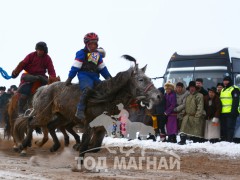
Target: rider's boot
column 22, row 101
column 80, row 113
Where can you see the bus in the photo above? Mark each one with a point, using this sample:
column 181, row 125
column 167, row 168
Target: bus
column 212, row 68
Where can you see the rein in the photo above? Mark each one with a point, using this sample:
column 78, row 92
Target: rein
column 148, row 87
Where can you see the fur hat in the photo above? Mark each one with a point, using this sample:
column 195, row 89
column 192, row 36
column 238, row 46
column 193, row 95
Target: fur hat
column 227, row 78
column 220, row 84
column 180, row 84
column 169, row 85
column 42, row 46
column 14, row 87
column 2, row 88
column 191, row 84
column 213, row 89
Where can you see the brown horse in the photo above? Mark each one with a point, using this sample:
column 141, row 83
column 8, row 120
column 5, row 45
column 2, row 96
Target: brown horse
column 12, row 110
column 20, row 130
column 58, row 99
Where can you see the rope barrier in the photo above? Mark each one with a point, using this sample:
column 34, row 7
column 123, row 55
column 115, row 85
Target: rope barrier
column 4, row 74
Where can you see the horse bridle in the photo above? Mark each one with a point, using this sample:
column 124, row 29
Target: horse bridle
column 148, row 87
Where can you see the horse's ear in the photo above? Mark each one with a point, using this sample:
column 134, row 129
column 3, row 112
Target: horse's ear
column 144, row 68
column 135, row 69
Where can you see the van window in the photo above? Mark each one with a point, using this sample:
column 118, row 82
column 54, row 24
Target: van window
column 181, row 76
column 210, row 78
column 236, row 65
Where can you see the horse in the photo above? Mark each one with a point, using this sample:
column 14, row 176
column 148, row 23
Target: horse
column 105, row 121
column 62, row 100
column 21, row 126
column 12, row 107
column 20, row 130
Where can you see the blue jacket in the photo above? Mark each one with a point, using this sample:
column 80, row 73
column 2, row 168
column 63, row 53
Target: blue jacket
column 88, row 63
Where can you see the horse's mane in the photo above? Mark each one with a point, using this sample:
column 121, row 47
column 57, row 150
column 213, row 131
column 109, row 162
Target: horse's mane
column 108, row 88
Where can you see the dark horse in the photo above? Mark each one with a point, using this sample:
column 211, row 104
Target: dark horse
column 61, row 101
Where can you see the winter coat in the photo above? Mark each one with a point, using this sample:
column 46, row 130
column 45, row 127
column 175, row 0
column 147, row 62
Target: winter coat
column 213, row 109
column 88, row 64
column 35, row 65
column 193, row 123
column 159, row 108
column 181, row 99
column 171, row 102
column 4, row 98
column 203, row 91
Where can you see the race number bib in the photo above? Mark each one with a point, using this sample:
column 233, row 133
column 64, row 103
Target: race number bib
column 93, row 57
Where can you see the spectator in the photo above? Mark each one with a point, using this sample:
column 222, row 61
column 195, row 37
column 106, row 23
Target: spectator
column 193, row 120
column 213, row 108
column 230, row 102
column 181, row 94
column 13, row 89
column 158, row 111
column 4, row 98
column 199, row 85
column 219, row 88
column 171, row 102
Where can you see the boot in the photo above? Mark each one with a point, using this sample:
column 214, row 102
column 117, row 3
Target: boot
column 81, row 107
column 183, row 139
column 173, row 139
column 22, row 101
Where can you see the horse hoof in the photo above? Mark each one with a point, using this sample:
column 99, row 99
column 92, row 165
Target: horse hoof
column 16, row 149
column 23, row 153
column 38, row 143
column 76, row 147
column 54, row 148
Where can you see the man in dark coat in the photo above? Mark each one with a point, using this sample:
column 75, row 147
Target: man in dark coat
column 158, row 111
column 4, row 98
column 200, row 89
column 213, row 108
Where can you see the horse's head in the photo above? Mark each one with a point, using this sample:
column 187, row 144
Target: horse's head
column 142, row 87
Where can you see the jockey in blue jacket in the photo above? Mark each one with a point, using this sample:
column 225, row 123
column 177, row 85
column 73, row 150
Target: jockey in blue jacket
column 87, row 65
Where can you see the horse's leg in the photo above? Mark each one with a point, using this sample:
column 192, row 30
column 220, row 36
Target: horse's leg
column 27, row 142
column 86, row 137
column 96, row 141
column 69, row 128
column 52, row 126
column 66, row 137
column 44, row 139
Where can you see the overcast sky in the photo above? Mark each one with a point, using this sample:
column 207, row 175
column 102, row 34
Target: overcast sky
column 149, row 30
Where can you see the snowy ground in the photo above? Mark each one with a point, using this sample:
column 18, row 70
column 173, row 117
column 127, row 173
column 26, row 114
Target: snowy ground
column 198, row 161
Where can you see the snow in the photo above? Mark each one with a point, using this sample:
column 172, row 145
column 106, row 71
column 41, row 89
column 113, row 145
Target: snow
column 231, row 150
column 221, row 148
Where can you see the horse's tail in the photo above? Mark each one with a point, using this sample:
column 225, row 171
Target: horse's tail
column 20, row 129
column 129, row 58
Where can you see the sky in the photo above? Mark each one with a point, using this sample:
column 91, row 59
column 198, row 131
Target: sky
column 149, row 30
